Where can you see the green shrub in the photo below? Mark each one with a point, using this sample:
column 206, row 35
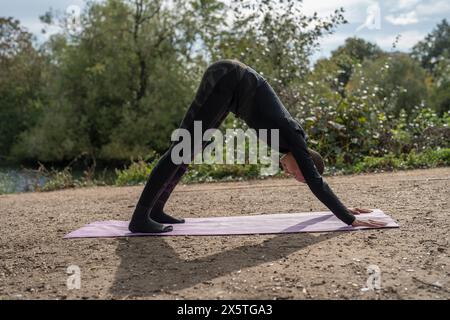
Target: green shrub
column 220, row 172
column 6, row 184
column 426, row 159
column 57, row 180
column 65, row 179
column 387, row 162
column 136, row 173
column 139, row 171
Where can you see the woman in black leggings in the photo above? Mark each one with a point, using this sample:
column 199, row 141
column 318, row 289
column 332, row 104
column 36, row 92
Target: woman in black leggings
column 229, row 85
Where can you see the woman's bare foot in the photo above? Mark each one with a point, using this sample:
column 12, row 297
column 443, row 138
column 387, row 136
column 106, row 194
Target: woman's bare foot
column 142, row 223
column 162, row 217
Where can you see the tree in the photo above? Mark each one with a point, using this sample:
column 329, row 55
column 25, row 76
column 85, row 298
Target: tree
column 434, row 55
column 440, row 86
column 276, row 38
column 20, row 86
column 434, row 47
column 398, row 80
column 118, row 85
column 339, row 68
column 352, row 53
column 358, row 49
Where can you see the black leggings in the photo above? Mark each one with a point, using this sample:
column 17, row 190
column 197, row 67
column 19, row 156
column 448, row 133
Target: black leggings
column 230, row 86
column 210, row 106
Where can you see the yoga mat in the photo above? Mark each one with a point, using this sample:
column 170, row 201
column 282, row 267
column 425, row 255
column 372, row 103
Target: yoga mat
column 236, row 225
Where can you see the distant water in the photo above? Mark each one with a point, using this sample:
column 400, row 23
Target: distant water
column 16, row 179
column 13, row 180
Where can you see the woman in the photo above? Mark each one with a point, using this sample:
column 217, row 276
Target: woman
column 231, row 86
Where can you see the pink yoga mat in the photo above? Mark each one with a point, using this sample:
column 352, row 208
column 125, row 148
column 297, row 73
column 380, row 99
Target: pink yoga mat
column 236, row 225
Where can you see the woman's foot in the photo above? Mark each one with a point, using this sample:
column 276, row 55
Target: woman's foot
column 142, row 223
column 162, row 217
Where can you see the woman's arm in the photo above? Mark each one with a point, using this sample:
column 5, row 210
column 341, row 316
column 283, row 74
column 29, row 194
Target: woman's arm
column 315, row 182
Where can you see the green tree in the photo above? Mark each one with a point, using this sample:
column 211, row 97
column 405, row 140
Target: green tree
column 351, row 54
column 120, row 83
column 440, row 86
column 434, row 47
column 20, row 83
column 338, row 69
column 434, row 55
column 276, row 38
column 399, row 81
column 118, row 86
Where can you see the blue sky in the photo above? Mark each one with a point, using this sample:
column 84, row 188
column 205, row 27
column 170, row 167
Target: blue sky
column 376, row 21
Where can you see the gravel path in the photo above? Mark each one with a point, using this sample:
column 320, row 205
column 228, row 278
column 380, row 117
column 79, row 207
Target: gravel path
column 413, row 260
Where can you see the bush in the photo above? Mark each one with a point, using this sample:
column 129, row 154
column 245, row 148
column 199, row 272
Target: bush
column 6, row 184
column 229, row 172
column 139, row 171
column 136, row 173
column 57, row 180
column 427, row 159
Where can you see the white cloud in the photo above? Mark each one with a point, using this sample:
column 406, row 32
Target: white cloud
column 407, row 40
column 421, row 10
column 355, row 10
column 440, row 7
column 332, row 41
column 404, row 4
column 403, row 18
column 399, row 16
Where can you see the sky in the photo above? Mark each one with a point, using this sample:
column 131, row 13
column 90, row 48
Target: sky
column 377, row 21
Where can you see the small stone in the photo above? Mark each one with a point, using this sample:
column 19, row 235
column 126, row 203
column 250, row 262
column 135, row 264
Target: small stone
column 318, row 283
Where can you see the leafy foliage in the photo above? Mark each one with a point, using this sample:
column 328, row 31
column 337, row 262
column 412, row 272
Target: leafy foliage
column 116, row 87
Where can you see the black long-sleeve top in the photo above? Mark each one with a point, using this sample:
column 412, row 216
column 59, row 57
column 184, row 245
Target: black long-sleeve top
column 269, row 110
column 314, row 180
column 258, row 105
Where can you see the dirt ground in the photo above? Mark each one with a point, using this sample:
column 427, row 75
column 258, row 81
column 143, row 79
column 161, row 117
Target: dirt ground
column 413, row 260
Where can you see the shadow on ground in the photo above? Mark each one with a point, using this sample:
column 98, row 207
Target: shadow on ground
column 149, row 265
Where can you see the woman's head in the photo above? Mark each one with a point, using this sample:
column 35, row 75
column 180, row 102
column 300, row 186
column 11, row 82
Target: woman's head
column 289, row 164
column 318, row 160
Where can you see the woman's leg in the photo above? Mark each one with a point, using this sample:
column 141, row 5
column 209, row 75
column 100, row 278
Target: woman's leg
column 211, row 105
column 157, row 213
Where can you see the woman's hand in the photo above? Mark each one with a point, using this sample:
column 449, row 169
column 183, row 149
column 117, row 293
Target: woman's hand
column 368, row 223
column 365, row 223
column 357, row 211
